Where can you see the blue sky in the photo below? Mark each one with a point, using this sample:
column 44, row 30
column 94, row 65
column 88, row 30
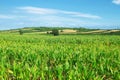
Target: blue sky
column 69, row 13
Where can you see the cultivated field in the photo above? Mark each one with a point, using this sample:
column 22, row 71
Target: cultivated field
column 64, row 57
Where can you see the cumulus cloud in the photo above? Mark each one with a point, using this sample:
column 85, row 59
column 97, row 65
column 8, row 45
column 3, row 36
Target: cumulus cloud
column 46, row 11
column 116, row 2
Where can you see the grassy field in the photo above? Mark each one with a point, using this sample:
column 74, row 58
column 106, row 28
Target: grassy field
column 64, row 57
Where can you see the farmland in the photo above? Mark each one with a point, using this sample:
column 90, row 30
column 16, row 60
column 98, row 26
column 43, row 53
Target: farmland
column 64, row 57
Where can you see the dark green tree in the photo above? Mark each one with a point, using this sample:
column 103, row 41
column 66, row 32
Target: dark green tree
column 21, row 32
column 55, row 32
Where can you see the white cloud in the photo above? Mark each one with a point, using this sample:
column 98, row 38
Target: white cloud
column 5, row 17
column 77, row 14
column 34, row 16
column 59, row 21
column 10, row 16
column 36, row 10
column 116, row 2
column 46, row 11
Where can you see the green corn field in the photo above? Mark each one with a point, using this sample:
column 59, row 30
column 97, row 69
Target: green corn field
column 64, row 57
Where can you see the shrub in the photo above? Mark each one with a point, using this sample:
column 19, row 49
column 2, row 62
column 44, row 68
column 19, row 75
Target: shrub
column 48, row 32
column 61, row 31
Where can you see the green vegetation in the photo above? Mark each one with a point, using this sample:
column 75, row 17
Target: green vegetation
column 81, row 29
column 55, row 32
column 113, row 33
column 66, row 57
column 21, row 32
column 62, row 30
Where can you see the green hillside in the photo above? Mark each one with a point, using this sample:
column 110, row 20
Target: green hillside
column 62, row 30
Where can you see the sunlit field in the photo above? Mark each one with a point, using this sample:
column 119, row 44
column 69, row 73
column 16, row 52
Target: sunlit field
column 64, row 57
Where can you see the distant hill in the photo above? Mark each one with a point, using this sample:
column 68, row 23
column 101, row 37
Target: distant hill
column 62, row 30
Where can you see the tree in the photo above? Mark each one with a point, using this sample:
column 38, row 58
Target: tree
column 55, row 32
column 21, row 32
